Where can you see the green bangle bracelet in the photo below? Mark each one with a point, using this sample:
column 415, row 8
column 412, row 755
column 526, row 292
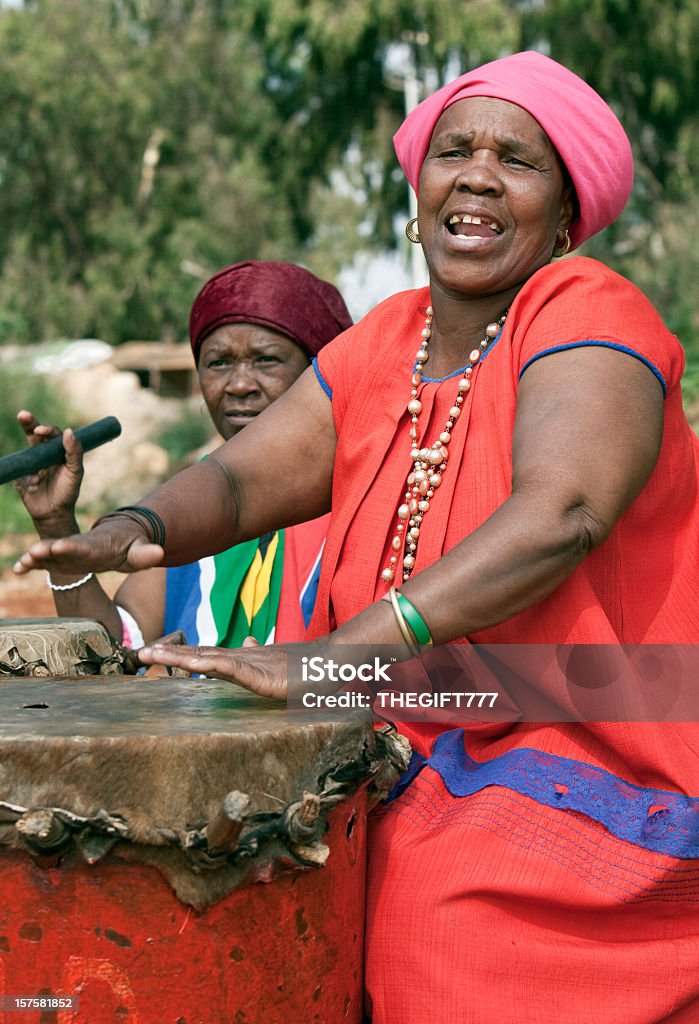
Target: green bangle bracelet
column 415, row 621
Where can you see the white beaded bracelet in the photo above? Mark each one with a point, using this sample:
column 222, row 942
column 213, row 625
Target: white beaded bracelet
column 67, row 586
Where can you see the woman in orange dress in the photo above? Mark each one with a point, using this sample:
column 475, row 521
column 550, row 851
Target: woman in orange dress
column 507, row 459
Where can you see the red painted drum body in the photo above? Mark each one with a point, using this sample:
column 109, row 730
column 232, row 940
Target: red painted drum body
column 176, row 851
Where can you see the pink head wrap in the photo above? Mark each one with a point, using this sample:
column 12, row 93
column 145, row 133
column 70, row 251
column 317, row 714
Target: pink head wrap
column 584, row 130
column 282, row 296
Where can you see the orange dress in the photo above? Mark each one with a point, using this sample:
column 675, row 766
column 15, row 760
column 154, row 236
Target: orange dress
column 531, row 872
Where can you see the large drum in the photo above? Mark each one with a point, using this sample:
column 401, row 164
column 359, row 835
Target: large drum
column 176, row 851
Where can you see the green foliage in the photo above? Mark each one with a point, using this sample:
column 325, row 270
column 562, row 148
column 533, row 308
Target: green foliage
column 132, row 140
column 192, row 431
column 21, row 389
column 146, row 143
column 690, row 385
column 642, row 57
column 326, row 70
column 13, row 516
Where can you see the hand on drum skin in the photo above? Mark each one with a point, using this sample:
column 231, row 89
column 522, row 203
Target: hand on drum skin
column 117, row 544
column 259, row 668
column 50, row 495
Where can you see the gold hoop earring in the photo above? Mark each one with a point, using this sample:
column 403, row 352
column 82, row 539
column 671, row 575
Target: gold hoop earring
column 410, row 233
column 561, row 250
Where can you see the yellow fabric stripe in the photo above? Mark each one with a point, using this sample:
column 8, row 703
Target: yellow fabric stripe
column 255, row 588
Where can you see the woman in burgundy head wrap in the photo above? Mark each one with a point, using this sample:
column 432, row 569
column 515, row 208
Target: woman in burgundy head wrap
column 254, row 327
column 510, row 465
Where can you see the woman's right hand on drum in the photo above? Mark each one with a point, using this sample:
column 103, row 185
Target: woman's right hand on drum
column 51, row 494
column 262, row 669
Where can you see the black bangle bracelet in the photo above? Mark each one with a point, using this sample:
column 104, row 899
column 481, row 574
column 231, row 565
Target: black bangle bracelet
column 156, row 523
column 139, row 520
column 144, row 517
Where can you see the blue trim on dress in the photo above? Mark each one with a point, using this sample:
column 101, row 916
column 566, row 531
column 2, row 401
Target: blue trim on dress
column 654, row 819
column 599, row 344
column 459, row 373
column 321, row 379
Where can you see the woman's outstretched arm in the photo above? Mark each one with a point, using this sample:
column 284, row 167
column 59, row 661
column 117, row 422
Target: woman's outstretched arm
column 275, row 473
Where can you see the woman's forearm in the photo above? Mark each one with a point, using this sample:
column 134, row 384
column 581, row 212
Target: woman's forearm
column 199, row 509
column 514, row 560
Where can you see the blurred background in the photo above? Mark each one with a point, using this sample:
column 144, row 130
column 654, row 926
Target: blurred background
column 146, row 143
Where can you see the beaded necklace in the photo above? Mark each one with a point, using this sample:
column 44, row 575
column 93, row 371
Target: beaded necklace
column 430, row 463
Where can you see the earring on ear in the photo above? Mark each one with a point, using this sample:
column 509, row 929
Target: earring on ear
column 561, row 250
column 411, row 234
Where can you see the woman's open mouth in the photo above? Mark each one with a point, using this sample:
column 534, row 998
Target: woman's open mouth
column 468, row 226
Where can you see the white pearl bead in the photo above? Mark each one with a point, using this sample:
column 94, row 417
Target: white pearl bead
column 388, row 575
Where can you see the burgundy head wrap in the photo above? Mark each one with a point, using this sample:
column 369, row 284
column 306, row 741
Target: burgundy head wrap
column 584, row 130
column 281, row 296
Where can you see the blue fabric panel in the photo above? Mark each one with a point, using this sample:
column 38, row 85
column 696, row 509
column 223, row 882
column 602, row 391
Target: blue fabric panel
column 655, row 819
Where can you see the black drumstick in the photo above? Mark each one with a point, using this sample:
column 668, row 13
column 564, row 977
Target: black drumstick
column 52, row 453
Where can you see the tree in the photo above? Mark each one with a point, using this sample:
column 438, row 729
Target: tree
column 641, row 56
column 131, row 165
column 145, row 143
